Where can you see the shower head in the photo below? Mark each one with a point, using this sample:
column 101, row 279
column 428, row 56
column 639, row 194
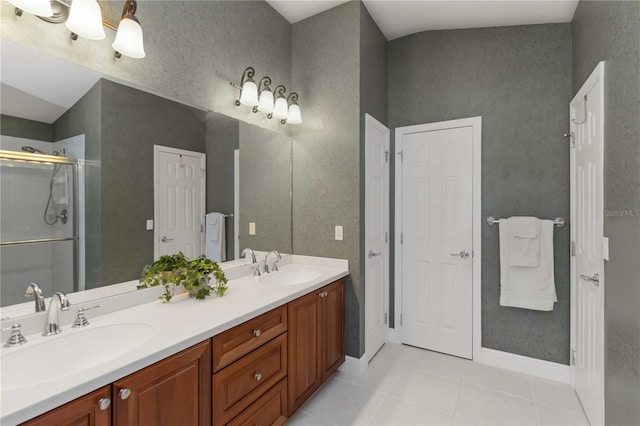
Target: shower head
column 33, row 150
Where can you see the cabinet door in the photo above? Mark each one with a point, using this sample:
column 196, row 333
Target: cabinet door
column 174, row 391
column 305, row 371
column 332, row 335
column 84, row 411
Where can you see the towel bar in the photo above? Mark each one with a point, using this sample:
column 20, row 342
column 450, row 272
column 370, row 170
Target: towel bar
column 558, row 221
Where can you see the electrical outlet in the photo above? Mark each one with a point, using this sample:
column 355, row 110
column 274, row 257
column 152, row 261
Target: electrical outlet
column 339, row 233
column 149, row 224
column 252, row 228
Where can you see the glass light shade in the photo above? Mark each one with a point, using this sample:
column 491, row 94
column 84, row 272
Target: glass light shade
column 266, row 102
column 249, row 94
column 280, row 109
column 35, row 7
column 129, row 40
column 85, row 19
column 294, row 114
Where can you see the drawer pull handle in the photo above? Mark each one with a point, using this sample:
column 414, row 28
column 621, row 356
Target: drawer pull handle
column 257, row 376
column 104, row 403
column 124, row 393
column 256, row 332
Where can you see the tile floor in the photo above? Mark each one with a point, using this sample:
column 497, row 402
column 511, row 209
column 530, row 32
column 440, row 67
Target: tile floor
column 409, row 386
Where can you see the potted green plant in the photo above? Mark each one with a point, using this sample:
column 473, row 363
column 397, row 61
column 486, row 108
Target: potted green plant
column 193, row 274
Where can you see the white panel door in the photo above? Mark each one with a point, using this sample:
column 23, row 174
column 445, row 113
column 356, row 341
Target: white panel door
column 587, row 233
column 179, row 202
column 437, row 230
column 376, row 233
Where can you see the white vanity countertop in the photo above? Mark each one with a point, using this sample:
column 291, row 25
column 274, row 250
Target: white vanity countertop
column 178, row 325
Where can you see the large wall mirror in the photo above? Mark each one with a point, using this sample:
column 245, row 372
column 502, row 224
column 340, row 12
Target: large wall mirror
column 87, row 216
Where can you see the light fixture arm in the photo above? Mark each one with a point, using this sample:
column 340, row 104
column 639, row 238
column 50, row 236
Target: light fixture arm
column 248, row 73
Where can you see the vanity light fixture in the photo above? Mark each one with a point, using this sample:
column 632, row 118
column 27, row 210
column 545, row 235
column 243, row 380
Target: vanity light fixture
column 265, row 96
column 248, row 89
column 280, row 109
column 84, row 18
column 294, row 116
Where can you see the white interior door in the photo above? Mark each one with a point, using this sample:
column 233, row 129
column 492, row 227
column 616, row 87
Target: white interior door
column 376, row 233
column 179, row 201
column 587, row 266
column 437, row 238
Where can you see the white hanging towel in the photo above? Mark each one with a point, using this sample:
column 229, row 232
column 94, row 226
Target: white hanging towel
column 215, row 247
column 528, row 287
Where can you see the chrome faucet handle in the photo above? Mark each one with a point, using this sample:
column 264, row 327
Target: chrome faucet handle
column 256, row 269
column 81, row 319
column 16, row 338
column 33, row 289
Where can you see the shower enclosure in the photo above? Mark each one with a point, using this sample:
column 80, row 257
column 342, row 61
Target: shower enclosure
column 39, row 223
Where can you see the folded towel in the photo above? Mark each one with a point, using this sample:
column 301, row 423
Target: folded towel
column 527, row 287
column 524, row 246
column 215, row 244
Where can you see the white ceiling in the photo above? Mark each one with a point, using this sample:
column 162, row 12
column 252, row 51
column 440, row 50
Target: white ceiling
column 398, row 18
column 40, row 87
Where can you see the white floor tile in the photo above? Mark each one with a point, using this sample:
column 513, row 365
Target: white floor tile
column 437, row 393
column 437, row 363
column 393, row 352
column 343, row 403
column 303, row 419
column 393, row 411
column 552, row 416
column 556, row 394
column 499, row 380
column 486, row 407
column 379, row 376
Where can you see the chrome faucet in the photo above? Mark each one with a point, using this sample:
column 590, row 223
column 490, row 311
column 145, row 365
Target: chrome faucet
column 254, row 262
column 52, row 326
column 266, row 261
column 34, row 290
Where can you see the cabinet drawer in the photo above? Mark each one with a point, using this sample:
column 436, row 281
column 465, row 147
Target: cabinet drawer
column 242, row 339
column 269, row 409
column 241, row 383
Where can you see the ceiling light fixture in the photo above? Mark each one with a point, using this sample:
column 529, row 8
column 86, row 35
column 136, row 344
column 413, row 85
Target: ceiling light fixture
column 280, row 109
column 85, row 20
column 265, row 96
column 294, row 116
column 129, row 40
column 248, row 89
column 35, row 7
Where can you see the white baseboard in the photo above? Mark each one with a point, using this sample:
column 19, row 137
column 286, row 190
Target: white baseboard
column 354, row 366
column 523, row 364
column 394, row 335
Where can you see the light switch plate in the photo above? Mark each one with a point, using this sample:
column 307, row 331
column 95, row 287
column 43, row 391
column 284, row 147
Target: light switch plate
column 149, row 224
column 339, row 233
column 252, row 228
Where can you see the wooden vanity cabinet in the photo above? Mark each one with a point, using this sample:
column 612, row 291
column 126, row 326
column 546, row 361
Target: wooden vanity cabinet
column 88, row 410
column 316, row 341
column 174, row 391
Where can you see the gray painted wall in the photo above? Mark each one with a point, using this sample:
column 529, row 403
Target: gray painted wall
column 265, row 196
column 519, row 80
column 223, row 137
column 194, row 49
column 609, row 31
column 23, row 128
column 326, row 148
column 85, row 118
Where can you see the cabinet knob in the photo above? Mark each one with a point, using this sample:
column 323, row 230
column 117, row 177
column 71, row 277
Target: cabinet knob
column 257, row 376
column 124, row 393
column 256, row 332
column 326, row 293
column 321, row 294
column 104, row 403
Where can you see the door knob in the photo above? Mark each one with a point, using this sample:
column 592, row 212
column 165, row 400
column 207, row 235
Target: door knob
column 165, row 239
column 372, row 254
column 594, row 279
column 463, row 254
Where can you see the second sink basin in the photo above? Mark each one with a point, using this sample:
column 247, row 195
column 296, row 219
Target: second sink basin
column 66, row 354
column 290, row 277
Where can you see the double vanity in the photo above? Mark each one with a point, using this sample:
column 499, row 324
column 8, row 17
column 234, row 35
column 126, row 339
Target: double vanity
column 253, row 356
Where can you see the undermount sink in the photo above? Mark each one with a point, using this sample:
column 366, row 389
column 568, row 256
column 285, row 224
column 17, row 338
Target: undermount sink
column 64, row 354
column 290, row 277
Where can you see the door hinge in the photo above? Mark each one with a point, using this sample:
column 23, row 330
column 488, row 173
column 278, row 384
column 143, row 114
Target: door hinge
column 401, row 154
column 400, row 319
column 573, row 357
column 573, row 248
column 386, row 318
column 401, row 238
column 386, row 156
column 201, row 228
column 386, row 237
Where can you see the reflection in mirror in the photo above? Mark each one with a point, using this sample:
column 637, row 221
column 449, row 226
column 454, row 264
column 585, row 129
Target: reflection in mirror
column 111, row 130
